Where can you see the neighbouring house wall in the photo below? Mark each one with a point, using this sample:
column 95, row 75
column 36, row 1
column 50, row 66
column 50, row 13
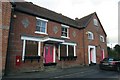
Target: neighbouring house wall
column 4, row 30
column 97, row 31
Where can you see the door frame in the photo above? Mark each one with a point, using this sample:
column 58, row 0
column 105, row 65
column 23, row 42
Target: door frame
column 93, row 55
column 54, row 53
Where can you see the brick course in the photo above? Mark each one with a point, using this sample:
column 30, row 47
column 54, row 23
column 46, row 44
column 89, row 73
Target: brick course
column 15, row 39
column 5, row 24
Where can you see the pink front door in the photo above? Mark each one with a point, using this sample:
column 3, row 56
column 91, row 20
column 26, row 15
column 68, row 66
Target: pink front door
column 102, row 54
column 91, row 55
column 48, row 54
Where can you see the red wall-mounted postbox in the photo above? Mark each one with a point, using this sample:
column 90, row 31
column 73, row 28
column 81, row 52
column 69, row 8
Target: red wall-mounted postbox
column 18, row 60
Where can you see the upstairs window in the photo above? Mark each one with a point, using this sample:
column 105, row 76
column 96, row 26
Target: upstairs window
column 41, row 26
column 90, row 36
column 102, row 38
column 95, row 22
column 65, row 31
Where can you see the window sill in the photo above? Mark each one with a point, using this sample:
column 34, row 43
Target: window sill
column 40, row 33
column 90, row 39
column 68, row 58
column 50, row 64
column 31, row 58
column 65, row 37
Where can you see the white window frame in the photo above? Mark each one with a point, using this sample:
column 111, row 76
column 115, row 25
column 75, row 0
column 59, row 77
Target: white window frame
column 65, row 26
column 95, row 22
column 102, row 38
column 24, row 47
column 70, row 44
column 92, row 35
column 38, row 32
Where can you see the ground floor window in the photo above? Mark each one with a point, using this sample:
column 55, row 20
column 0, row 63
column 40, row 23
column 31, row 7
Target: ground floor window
column 67, row 50
column 70, row 50
column 31, row 48
column 63, row 50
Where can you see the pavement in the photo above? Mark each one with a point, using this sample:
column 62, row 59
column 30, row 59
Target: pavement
column 73, row 73
column 51, row 73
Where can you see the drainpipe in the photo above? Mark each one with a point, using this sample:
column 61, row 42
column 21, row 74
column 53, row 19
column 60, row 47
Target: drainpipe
column 10, row 29
column 83, row 47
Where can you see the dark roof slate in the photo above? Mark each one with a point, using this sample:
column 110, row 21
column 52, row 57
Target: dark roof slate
column 84, row 20
column 30, row 8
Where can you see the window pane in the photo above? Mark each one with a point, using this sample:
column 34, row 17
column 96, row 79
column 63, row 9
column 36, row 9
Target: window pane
column 95, row 22
column 70, row 50
column 64, row 31
column 31, row 48
column 101, row 38
column 42, row 29
column 63, row 50
column 37, row 28
column 90, row 35
column 51, row 50
column 65, row 34
column 46, row 50
column 43, row 24
column 38, row 22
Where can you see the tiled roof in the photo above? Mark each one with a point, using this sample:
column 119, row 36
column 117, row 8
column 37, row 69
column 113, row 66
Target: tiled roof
column 85, row 20
column 32, row 9
column 38, row 11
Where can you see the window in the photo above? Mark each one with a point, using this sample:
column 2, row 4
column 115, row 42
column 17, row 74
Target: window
column 95, row 21
column 70, row 50
column 41, row 26
column 31, row 48
column 63, row 50
column 101, row 38
column 67, row 50
column 90, row 35
column 64, row 32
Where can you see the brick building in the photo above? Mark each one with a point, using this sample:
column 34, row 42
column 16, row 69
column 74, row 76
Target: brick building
column 37, row 37
column 5, row 18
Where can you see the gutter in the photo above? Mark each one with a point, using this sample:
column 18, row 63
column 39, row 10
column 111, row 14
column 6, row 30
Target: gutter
column 84, row 47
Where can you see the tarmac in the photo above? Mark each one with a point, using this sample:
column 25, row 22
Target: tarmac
column 47, row 74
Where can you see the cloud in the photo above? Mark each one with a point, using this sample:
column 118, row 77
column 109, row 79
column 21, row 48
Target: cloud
column 97, row 2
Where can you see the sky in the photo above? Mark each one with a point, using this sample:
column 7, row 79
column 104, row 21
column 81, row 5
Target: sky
column 107, row 11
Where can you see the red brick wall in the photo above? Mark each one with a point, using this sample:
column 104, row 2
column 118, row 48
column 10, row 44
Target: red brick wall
column 4, row 30
column 15, row 46
column 0, row 38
